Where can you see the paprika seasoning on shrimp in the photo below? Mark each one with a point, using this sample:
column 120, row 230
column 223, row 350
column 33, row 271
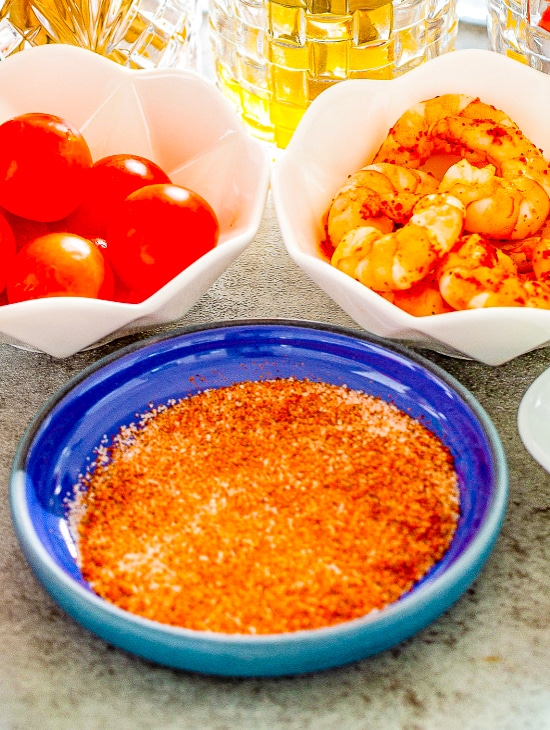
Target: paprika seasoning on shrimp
column 265, row 507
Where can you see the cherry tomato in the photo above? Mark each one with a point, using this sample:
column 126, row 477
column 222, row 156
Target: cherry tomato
column 7, row 251
column 158, row 231
column 25, row 230
column 123, row 294
column 59, row 265
column 43, row 159
column 107, row 289
column 544, row 21
column 108, row 183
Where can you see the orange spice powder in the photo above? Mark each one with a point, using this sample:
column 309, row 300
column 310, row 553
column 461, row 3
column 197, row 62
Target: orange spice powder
column 265, row 507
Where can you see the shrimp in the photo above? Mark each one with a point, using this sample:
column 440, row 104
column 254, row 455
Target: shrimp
column 540, row 258
column 521, row 253
column 530, row 255
column 421, row 300
column 538, row 294
column 496, row 207
column 477, row 274
column 402, row 258
column 410, row 141
column 505, row 147
column 378, row 196
column 511, row 198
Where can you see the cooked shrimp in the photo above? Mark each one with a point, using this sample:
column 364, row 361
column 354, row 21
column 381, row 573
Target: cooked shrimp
column 496, row 207
column 378, row 196
column 398, row 260
column 507, row 148
column 410, row 141
column 421, row 300
column 477, row 274
column 478, row 109
column 521, row 253
column 540, row 258
column 538, row 293
column 525, row 252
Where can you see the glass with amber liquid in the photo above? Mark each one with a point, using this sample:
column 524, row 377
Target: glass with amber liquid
column 135, row 33
column 273, row 57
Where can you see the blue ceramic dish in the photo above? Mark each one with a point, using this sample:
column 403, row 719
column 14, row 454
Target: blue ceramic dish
column 60, row 442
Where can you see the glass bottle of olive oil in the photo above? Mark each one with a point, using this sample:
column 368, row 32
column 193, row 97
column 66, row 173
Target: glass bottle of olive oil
column 273, row 57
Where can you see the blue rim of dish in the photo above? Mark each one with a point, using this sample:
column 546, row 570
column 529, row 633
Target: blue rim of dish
column 459, row 571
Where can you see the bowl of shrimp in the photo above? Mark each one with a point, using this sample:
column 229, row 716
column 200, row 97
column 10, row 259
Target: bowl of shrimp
column 420, row 204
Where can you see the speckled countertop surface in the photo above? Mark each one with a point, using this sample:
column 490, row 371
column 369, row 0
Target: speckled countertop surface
column 483, row 665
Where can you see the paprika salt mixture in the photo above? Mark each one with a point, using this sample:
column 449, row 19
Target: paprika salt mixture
column 265, row 507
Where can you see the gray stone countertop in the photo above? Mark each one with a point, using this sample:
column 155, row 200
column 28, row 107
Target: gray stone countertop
column 484, row 664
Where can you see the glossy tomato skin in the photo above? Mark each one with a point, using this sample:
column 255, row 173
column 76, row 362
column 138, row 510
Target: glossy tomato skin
column 43, row 160
column 108, row 183
column 7, row 251
column 59, row 264
column 159, row 231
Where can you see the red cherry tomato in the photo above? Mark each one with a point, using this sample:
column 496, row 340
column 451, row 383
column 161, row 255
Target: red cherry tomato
column 59, row 265
column 7, row 251
column 25, row 230
column 544, row 21
column 159, row 231
column 108, row 183
column 107, row 289
column 125, row 295
column 43, row 159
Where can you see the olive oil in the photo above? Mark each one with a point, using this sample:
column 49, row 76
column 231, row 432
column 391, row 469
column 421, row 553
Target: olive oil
column 274, row 57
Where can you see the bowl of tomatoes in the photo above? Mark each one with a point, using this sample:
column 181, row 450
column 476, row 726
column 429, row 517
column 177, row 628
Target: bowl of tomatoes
column 122, row 199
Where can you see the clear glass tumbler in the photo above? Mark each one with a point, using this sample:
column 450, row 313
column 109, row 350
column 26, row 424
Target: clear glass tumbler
column 274, row 57
column 514, row 30
column 504, row 25
column 135, row 33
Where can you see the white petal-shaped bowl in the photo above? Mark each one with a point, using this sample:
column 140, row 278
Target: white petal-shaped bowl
column 340, row 133
column 181, row 122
